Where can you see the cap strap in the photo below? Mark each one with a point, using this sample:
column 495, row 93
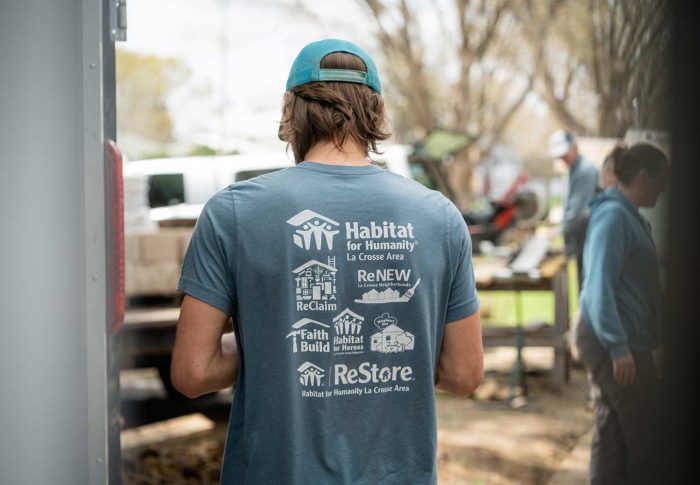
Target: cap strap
column 343, row 75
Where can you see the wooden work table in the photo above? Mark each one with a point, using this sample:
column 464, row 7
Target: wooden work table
column 552, row 277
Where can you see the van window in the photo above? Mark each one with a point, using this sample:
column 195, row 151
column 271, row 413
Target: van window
column 166, row 189
column 249, row 174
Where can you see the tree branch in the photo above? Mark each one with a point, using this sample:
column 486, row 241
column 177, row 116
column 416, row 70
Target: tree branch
column 597, row 74
column 636, row 39
column 559, row 107
column 505, row 118
column 401, row 44
column 490, row 30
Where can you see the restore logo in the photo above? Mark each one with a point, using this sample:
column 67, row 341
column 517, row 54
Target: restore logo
column 366, row 373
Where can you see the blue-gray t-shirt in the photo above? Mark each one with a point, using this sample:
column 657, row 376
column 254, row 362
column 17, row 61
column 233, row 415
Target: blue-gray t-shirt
column 340, row 280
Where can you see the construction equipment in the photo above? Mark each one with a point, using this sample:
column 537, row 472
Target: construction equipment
column 518, row 206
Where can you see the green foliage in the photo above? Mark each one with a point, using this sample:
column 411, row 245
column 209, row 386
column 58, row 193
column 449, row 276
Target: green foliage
column 143, row 85
column 554, row 201
column 159, row 154
column 201, row 151
column 442, row 143
column 536, row 305
column 207, row 151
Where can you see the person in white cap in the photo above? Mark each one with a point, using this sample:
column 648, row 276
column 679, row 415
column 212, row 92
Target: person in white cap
column 583, row 185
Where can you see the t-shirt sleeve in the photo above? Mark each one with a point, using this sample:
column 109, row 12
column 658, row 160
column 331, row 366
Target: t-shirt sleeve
column 463, row 299
column 208, row 268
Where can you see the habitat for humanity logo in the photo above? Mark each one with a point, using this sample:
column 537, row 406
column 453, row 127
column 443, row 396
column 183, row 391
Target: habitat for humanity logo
column 348, row 323
column 348, row 328
column 313, row 227
column 310, row 374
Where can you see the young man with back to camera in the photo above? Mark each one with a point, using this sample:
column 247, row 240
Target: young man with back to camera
column 351, row 290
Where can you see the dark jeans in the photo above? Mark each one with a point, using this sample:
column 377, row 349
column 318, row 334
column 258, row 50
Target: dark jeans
column 625, row 447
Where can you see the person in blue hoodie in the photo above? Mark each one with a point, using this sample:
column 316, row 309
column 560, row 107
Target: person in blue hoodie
column 621, row 305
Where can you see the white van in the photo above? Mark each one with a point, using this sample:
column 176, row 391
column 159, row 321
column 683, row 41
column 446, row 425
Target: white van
column 164, row 197
column 175, row 189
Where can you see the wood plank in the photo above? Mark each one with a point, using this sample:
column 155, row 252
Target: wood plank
column 551, row 266
column 175, row 428
column 535, row 336
column 485, row 269
column 529, row 342
column 151, row 317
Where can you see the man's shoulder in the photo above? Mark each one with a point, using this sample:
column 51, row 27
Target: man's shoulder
column 587, row 167
column 430, row 200
column 271, row 177
column 415, row 187
column 261, row 186
column 220, row 200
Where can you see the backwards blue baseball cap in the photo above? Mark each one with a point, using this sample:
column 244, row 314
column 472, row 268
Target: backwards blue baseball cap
column 307, row 66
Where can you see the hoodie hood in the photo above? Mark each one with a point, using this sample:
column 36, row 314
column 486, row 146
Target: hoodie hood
column 614, row 196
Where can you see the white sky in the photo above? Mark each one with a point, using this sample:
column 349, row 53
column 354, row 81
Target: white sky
column 233, row 96
column 263, row 39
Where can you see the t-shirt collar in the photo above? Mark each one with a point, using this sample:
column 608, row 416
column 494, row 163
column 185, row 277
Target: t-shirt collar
column 340, row 169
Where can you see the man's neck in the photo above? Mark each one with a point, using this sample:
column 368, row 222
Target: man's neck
column 350, row 153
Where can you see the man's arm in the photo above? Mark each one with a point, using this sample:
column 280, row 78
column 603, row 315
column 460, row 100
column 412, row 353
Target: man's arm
column 205, row 357
column 461, row 362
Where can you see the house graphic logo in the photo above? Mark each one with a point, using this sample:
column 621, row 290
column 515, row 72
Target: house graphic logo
column 390, row 339
column 309, row 336
column 310, row 374
column 313, row 229
column 348, row 323
column 315, row 285
column 374, row 297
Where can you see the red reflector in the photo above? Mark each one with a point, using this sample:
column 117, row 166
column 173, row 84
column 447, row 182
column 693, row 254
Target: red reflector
column 116, row 237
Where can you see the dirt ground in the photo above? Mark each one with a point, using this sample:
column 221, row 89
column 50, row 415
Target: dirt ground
column 490, row 442
column 481, row 441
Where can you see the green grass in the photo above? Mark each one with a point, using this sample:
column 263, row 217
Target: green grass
column 536, row 305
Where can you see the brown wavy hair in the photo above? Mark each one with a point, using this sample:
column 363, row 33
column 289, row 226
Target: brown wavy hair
column 333, row 112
